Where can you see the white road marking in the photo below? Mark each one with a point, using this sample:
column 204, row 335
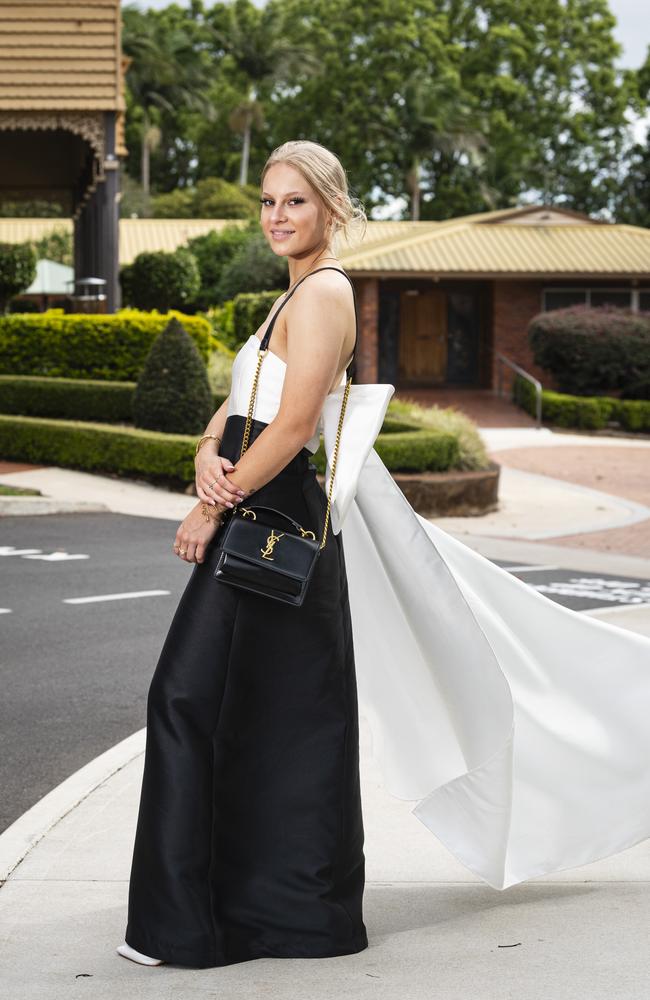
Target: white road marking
column 57, row 556
column 5, row 611
column 9, row 550
column 114, row 597
column 528, row 569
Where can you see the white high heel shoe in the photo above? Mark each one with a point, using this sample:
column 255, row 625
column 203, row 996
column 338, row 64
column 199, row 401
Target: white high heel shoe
column 136, row 956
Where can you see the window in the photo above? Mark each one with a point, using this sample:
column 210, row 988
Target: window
column 562, row 298
column 644, row 300
column 602, row 297
column 622, row 298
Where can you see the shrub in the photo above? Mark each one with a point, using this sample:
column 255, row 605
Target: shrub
column 584, row 412
column 418, row 451
column 253, row 268
column 89, row 399
column 161, row 280
column 472, row 455
column 106, row 346
column 634, row 415
column 173, row 393
column 250, row 309
column 17, row 270
column 209, row 198
column 591, row 351
column 169, row 458
column 73, row 398
column 213, row 252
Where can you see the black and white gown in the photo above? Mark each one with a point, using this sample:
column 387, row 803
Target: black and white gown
column 249, row 839
column 517, row 727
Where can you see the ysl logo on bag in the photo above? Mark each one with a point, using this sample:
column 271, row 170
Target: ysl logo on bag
column 271, row 541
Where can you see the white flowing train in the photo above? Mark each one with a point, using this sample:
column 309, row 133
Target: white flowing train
column 521, row 728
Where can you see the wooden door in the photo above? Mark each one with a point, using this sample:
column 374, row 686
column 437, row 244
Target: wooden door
column 423, row 337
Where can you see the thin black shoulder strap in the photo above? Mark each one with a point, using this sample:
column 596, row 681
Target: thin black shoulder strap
column 351, row 366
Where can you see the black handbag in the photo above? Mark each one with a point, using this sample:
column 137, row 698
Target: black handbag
column 254, row 553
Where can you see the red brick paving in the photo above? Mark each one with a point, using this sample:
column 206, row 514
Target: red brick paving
column 482, row 405
column 622, row 472
column 6, row 467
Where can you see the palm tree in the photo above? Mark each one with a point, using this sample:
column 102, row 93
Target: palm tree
column 256, row 43
column 436, row 120
column 165, row 72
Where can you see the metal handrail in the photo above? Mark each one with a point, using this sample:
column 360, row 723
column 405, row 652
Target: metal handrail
column 503, row 360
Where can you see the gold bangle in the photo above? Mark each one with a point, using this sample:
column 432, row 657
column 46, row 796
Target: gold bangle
column 205, row 438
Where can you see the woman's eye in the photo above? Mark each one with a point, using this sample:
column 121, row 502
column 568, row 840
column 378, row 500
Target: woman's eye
column 297, row 201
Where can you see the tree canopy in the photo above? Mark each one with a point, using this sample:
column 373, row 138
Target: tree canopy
column 450, row 106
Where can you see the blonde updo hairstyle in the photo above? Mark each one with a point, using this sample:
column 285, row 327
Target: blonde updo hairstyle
column 324, row 172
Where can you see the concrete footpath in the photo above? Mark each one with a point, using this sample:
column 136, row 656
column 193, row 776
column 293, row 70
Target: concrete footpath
column 435, row 929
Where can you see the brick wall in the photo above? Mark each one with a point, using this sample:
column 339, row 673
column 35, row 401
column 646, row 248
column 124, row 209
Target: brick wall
column 368, row 347
column 514, row 303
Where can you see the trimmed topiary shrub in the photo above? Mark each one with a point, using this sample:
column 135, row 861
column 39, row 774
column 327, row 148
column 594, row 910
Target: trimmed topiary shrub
column 591, row 351
column 17, row 270
column 173, row 393
column 161, row 280
column 77, row 345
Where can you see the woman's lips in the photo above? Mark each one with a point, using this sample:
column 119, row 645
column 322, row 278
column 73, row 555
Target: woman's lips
column 279, row 234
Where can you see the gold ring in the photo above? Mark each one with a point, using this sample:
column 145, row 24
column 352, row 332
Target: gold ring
column 183, row 551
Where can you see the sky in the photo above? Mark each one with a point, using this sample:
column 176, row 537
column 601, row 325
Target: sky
column 633, row 29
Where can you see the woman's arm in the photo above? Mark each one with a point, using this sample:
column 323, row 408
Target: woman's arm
column 208, row 465
column 316, row 331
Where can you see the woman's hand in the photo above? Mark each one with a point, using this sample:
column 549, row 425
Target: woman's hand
column 194, row 533
column 210, row 480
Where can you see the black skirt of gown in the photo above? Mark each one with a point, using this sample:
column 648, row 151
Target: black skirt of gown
column 249, row 837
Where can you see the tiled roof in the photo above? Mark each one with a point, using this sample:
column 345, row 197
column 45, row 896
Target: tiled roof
column 60, row 55
column 475, row 247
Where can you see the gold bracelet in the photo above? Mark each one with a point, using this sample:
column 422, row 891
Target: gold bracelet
column 205, row 438
column 205, row 511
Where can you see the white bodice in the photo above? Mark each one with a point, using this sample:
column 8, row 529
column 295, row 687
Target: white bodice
column 269, row 386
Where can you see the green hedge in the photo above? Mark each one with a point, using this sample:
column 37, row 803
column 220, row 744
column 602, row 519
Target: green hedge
column 72, row 399
column 97, row 447
column 584, row 412
column 170, row 457
column 73, row 345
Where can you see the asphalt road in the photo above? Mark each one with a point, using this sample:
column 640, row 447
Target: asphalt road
column 75, row 672
column 75, row 676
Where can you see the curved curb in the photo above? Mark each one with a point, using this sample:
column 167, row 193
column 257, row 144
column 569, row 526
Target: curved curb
column 23, row 834
column 12, row 506
column 631, row 511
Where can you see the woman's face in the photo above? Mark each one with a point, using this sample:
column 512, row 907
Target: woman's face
column 292, row 215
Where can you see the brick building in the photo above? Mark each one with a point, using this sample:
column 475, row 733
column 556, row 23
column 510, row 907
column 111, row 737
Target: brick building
column 440, row 300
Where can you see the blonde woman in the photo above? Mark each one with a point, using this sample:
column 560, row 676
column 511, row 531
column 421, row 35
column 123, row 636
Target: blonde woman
column 249, row 839
column 517, row 726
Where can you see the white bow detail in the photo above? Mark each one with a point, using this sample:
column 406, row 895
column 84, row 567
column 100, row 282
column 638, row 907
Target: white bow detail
column 364, row 415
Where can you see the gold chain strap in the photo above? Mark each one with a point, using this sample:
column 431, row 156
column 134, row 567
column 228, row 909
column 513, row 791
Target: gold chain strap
column 346, row 393
column 249, row 419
